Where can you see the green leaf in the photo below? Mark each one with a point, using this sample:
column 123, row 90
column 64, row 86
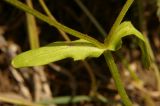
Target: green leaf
column 78, row 50
column 126, row 29
column 66, row 100
column 73, row 99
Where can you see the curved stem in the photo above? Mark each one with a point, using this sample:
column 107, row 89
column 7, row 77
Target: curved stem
column 54, row 23
column 143, row 28
column 114, row 71
column 45, row 8
column 118, row 20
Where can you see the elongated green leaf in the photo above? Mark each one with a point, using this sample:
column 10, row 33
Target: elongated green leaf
column 78, row 50
column 125, row 29
column 66, row 100
column 75, row 99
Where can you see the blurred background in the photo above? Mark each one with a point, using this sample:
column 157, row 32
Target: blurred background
column 78, row 83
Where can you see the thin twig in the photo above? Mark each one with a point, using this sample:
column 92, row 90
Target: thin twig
column 56, row 24
column 65, row 36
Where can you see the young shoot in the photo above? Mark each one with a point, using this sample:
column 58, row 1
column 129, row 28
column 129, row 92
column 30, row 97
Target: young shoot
column 91, row 47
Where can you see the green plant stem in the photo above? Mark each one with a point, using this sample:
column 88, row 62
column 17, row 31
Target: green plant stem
column 91, row 17
column 154, row 65
column 143, row 28
column 118, row 20
column 114, row 71
column 54, row 23
column 45, row 8
column 32, row 29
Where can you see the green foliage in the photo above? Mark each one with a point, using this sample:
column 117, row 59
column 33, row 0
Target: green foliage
column 85, row 47
column 126, row 29
column 78, row 50
column 66, row 100
column 112, row 41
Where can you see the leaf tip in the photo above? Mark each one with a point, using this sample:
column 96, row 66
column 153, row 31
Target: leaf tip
column 13, row 63
column 16, row 63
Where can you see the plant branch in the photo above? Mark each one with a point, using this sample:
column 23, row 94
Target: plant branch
column 45, row 8
column 114, row 71
column 143, row 28
column 54, row 23
column 32, row 28
column 118, row 20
